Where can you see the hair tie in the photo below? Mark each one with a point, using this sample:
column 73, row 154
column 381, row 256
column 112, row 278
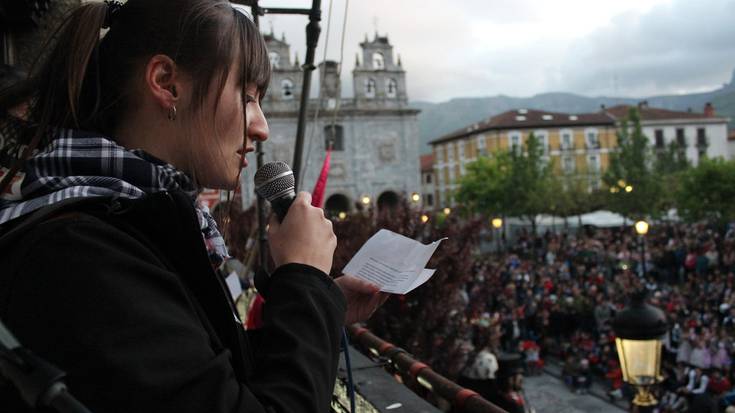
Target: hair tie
column 112, row 8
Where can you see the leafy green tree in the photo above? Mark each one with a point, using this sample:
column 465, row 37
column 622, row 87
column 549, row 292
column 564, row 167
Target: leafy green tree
column 669, row 165
column 483, row 188
column 707, row 191
column 509, row 184
column 634, row 189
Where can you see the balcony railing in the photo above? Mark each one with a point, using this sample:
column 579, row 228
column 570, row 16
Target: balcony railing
column 419, row 374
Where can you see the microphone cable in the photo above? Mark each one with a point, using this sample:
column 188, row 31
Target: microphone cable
column 348, row 365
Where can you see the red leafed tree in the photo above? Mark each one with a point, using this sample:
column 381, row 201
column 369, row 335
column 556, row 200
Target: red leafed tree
column 430, row 321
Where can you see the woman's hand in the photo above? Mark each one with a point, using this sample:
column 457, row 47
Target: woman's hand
column 363, row 298
column 304, row 237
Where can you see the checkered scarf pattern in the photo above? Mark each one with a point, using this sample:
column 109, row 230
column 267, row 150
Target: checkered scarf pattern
column 78, row 165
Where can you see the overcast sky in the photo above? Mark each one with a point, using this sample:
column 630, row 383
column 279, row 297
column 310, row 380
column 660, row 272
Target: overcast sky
column 462, row 48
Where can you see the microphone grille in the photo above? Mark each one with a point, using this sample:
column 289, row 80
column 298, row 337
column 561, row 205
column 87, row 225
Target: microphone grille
column 273, row 180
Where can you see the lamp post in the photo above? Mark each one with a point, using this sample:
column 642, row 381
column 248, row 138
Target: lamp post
column 641, row 227
column 638, row 330
column 497, row 223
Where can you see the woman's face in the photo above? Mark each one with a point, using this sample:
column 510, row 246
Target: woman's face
column 220, row 153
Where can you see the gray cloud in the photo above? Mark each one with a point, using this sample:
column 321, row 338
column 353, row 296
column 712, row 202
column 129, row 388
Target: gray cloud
column 680, row 47
column 488, row 47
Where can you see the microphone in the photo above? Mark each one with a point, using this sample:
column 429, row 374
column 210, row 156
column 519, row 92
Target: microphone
column 274, row 181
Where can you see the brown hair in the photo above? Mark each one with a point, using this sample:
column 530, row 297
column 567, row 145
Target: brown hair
column 85, row 83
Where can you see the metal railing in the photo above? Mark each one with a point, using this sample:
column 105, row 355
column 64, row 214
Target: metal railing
column 462, row 399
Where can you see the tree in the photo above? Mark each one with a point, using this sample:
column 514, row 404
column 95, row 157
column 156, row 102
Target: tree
column 707, row 191
column 634, row 190
column 484, row 187
column 529, row 181
column 509, row 184
column 669, row 165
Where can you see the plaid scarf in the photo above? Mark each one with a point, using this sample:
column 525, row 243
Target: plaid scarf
column 78, row 164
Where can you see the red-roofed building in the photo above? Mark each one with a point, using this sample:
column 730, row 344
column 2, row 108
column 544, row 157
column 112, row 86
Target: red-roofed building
column 578, row 143
column 700, row 133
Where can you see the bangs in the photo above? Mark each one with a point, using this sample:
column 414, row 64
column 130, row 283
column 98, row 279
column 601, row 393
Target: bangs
column 254, row 62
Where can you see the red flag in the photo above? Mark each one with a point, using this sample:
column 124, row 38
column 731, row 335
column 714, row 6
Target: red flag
column 317, row 195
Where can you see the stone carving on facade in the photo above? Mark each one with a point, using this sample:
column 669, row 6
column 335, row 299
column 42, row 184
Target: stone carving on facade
column 337, row 170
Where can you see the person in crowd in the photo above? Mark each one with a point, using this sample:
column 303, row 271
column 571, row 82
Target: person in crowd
column 108, row 260
column 482, row 366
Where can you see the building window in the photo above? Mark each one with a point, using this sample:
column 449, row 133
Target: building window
column 450, row 150
column 543, row 138
column 592, row 139
column 701, row 138
column 286, row 89
column 594, row 185
column 568, row 164
column 514, row 142
column 567, row 139
column 429, row 199
column 391, row 89
column 461, row 150
column 593, row 163
column 481, row 149
column 659, row 136
column 680, row 138
column 428, row 178
column 378, row 61
column 275, row 59
column 369, row 88
column 333, row 137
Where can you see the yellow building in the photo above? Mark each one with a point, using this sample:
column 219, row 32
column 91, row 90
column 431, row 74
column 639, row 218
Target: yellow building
column 578, row 144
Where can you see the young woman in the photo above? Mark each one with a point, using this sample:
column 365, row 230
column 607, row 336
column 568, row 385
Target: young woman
column 107, row 261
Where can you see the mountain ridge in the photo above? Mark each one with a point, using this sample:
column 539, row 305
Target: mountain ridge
column 438, row 119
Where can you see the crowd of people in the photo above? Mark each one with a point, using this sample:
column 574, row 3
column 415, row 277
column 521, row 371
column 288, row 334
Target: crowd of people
column 554, row 295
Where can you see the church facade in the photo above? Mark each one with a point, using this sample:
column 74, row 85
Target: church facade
column 373, row 135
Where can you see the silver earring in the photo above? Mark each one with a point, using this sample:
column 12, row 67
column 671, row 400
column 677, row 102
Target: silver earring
column 172, row 113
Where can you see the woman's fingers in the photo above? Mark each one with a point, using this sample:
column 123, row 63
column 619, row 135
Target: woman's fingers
column 304, row 236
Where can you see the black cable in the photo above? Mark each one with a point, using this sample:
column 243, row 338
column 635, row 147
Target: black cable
column 350, row 383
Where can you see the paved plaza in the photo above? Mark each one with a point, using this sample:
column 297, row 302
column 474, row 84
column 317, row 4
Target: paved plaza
column 547, row 394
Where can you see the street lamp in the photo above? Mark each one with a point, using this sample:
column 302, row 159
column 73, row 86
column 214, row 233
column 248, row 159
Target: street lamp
column 424, row 218
column 365, row 200
column 415, row 197
column 641, row 227
column 629, row 188
column 639, row 329
column 342, row 215
column 497, row 223
column 447, row 211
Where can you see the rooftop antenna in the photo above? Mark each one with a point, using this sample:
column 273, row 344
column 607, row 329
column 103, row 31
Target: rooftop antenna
column 375, row 25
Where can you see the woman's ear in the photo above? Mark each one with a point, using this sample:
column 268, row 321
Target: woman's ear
column 163, row 81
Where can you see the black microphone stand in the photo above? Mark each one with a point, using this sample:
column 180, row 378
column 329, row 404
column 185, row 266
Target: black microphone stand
column 39, row 383
column 312, row 37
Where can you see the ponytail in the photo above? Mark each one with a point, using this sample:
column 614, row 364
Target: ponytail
column 86, row 81
column 54, row 89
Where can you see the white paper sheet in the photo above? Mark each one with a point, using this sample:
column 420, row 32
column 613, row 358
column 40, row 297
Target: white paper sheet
column 393, row 262
column 233, row 284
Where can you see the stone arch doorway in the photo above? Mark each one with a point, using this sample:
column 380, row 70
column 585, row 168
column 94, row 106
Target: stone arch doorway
column 388, row 200
column 337, row 203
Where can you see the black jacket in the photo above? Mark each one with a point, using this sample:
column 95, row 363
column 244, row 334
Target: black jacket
column 121, row 295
